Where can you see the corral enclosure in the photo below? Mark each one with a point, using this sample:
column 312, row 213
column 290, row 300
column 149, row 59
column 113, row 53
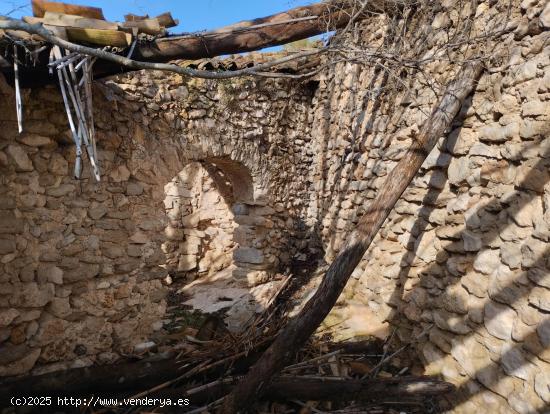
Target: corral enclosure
column 219, row 186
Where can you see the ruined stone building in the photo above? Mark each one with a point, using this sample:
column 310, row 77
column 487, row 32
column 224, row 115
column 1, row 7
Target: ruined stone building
column 234, row 181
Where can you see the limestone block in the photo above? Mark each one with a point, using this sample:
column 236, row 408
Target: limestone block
column 499, row 320
column 459, row 170
column 49, row 273
column 532, row 177
column 514, row 362
column 58, row 165
column 187, row 263
column 97, row 211
column 495, row 132
column 460, row 140
column 472, row 241
column 545, row 16
column 7, row 316
column 542, row 379
column 173, row 233
column 540, row 276
column 31, row 295
column 475, row 283
column 34, row 140
column 535, row 108
column 510, row 254
column 83, row 271
column 7, row 246
column 487, row 261
column 451, row 322
column 533, row 253
column 134, row 189
column 470, row 354
column 20, row 158
column 120, row 174
column 191, row 220
column 61, row 191
column 22, row 365
column 531, row 128
column 248, row 255
column 540, row 298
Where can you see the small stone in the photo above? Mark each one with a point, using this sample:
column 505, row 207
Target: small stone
column 540, row 298
column 535, row 108
column 532, row 178
column 543, row 331
column 20, row 158
column 58, row 165
column 542, row 379
column 499, row 320
column 33, row 140
column 545, row 22
column 514, row 362
column 7, row 246
column 139, row 237
column 539, row 276
column 482, row 150
column 97, row 212
column 510, row 254
column 187, row 263
column 120, row 174
column 472, row 241
column 459, row 170
column 7, row 316
column 49, row 273
column 22, row 365
column 497, row 133
column 487, row 261
column 134, row 189
column 476, row 284
column 248, row 255
column 451, row 322
column 61, row 191
column 197, row 113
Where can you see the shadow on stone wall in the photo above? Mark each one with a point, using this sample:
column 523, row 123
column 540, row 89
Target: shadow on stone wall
column 495, row 375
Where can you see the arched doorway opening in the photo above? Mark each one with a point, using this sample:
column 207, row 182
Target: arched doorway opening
column 216, row 238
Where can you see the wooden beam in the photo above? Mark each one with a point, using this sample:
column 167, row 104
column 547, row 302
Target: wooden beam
column 247, row 36
column 295, row 24
column 40, row 7
column 302, row 326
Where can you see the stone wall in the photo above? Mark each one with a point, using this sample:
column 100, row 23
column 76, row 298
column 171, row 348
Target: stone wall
column 465, row 255
column 246, row 175
column 83, row 264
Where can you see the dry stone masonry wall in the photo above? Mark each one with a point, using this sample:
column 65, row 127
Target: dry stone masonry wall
column 465, row 255
column 187, row 185
column 241, row 177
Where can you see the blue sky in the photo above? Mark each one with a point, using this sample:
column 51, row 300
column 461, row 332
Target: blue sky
column 194, row 15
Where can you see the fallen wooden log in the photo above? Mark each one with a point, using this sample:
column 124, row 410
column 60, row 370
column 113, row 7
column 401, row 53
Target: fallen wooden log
column 106, row 378
column 302, row 326
column 321, row 389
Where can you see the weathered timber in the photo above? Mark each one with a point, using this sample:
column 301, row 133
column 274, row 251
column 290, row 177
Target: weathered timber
column 302, row 326
column 291, row 25
column 80, row 381
column 247, row 36
column 40, row 7
column 321, row 389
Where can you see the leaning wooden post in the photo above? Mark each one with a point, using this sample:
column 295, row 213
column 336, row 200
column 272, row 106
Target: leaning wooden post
column 302, row 326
